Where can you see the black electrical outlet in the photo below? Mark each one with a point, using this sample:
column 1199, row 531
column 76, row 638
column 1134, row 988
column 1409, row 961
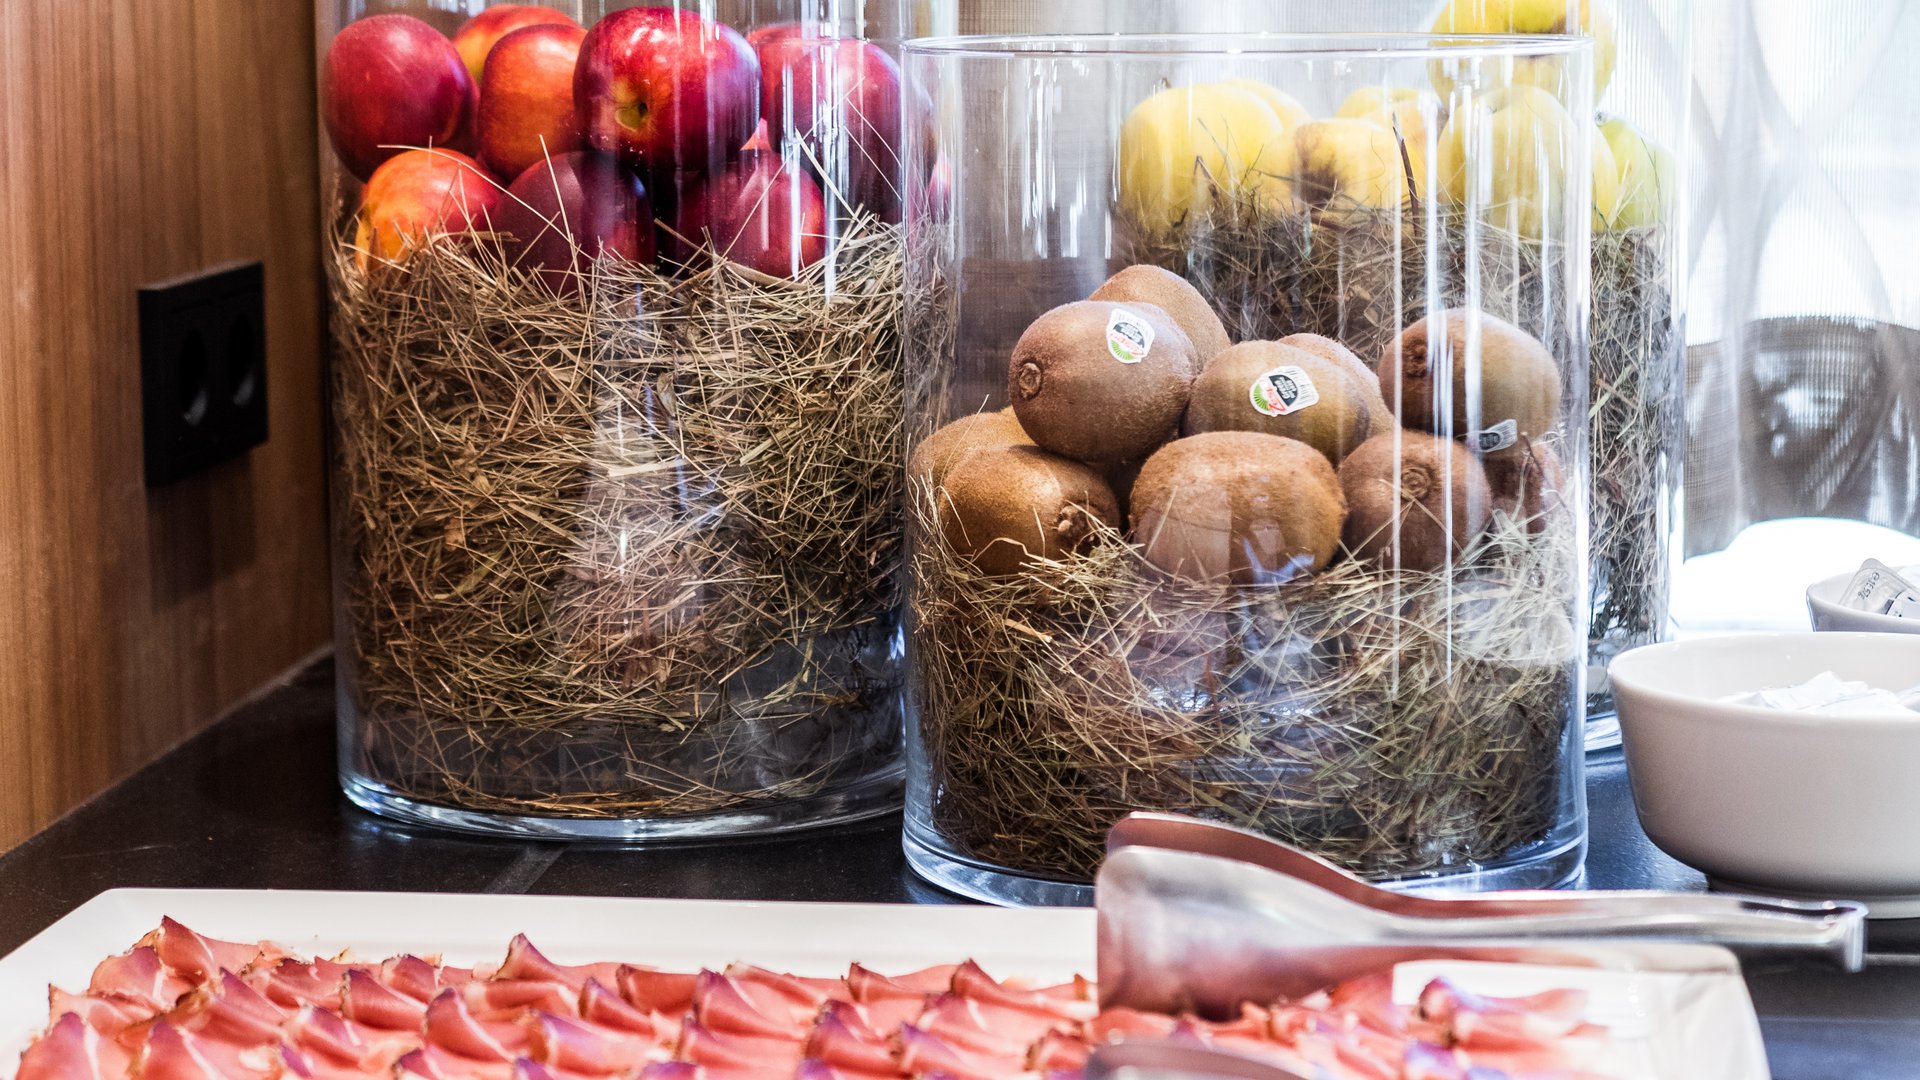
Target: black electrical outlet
column 203, row 369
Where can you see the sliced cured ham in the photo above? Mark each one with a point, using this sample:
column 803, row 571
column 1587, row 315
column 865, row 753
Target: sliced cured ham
column 183, row 1006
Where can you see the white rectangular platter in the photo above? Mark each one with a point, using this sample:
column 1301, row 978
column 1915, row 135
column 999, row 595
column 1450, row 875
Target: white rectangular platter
column 1698, row 1027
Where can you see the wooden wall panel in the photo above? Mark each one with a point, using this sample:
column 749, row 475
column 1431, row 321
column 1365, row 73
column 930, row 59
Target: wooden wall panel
column 139, row 141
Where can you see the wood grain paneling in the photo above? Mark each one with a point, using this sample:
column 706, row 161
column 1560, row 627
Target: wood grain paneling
column 139, row 142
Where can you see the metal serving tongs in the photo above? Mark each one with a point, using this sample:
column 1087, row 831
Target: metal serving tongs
column 1198, row 916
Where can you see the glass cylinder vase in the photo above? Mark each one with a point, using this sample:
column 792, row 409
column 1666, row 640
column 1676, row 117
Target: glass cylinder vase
column 616, row 396
column 1247, row 388
column 1643, row 67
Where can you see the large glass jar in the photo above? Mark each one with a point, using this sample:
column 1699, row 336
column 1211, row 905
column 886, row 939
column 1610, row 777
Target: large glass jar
column 616, row 397
column 1247, row 386
column 1642, row 87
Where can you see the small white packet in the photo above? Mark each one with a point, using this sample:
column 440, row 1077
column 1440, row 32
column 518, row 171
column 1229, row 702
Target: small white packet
column 1878, row 589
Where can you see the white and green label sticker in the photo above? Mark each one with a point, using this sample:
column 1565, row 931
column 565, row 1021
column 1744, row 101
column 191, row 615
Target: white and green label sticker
column 1129, row 337
column 1498, row 437
column 1283, row 390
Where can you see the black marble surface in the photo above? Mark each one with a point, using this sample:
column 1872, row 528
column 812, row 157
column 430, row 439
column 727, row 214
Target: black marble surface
column 253, row 803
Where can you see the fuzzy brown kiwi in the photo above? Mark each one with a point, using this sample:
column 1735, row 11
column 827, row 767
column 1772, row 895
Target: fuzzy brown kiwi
column 1527, row 485
column 1238, row 506
column 1174, row 295
column 937, row 453
column 1222, row 400
column 1076, row 397
column 1518, row 379
column 1369, row 379
column 1006, row 506
column 1414, row 500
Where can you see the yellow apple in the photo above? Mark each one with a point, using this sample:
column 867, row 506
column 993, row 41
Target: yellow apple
column 1413, row 114
column 1589, row 17
column 1284, row 105
column 1505, row 155
column 1416, row 112
column 1647, row 176
column 1349, row 168
column 1188, row 146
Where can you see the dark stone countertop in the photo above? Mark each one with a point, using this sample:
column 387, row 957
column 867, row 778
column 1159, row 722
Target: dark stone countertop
column 252, row 803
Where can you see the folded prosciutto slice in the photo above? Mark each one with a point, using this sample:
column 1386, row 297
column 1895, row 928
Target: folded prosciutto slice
column 183, row 1006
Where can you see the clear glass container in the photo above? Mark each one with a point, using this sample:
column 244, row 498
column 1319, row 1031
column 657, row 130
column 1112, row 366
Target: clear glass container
column 1247, row 390
column 616, row 397
column 1643, row 80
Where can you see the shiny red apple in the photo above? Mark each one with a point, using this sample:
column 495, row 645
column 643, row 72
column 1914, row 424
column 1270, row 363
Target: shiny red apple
column 390, row 82
column 477, row 36
column 526, row 98
column 757, row 212
column 559, row 216
column 840, row 99
column 417, row 195
column 666, row 89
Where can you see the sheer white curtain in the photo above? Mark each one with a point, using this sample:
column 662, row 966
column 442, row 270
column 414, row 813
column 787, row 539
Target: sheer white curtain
column 1806, row 288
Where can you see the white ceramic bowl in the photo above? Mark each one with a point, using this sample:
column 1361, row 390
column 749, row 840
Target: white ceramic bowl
column 1824, row 607
column 1774, row 802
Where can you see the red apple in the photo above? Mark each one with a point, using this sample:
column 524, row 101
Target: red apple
column 477, row 36
column 761, row 37
column 526, row 98
column 666, row 89
column 759, row 213
column 390, row 82
column 558, row 216
column 840, row 98
column 418, row 194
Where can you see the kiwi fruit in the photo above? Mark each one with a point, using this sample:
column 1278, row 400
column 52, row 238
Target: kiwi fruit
column 1101, row 382
column 1238, row 506
column 938, row 452
column 1333, row 412
column 1414, row 500
column 1174, row 295
column 1527, row 486
column 1517, row 380
column 1320, row 345
column 1006, row 506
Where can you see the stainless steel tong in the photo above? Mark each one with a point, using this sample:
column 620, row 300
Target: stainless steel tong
column 1202, row 917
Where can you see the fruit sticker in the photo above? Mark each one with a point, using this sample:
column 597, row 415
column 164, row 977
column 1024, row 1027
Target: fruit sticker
column 1498, row 437
column 1129, row 337
column 1283, row 390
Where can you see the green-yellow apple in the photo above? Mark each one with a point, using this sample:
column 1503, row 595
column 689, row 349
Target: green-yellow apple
column 1188, row 146
column 1480, row 17
column 1647, row 176
column 1506, row 155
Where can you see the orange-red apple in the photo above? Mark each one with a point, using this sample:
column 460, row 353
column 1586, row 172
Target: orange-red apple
column 390, row 82
column 478, row 35
column 559, row 216
column 666, row 89
column 419, row 194
column 526, row 98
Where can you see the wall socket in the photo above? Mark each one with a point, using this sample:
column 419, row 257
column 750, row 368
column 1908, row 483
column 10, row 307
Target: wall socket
column 203, row 369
